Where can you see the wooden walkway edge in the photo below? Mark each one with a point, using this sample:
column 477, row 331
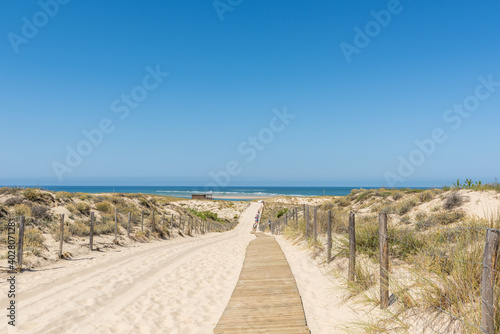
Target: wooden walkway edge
column 266, row 298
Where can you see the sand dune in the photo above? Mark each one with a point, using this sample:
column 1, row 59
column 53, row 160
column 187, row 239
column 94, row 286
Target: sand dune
column 178, row 286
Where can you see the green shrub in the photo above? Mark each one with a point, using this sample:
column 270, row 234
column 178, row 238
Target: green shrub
column 40, row 212
column 31, row 194
column 206, row 215
column 104, row 227
column 425, row 196
column 14, row 201
column 33, row 241
column 452, row 200
column 118, row 200
column 83, row 208
column 83, row 196
column 79, row 229
column 143, row 202
column 72, row 208
column 105, row 207
column 389, row 209
column 63, row 195
column 364, row 195
column 22, row 210
column 405, row 206
column 281, row 212
column 56, row 233
column 447, row 217
column 327, row 206
column 343, row 201
column 397, row 195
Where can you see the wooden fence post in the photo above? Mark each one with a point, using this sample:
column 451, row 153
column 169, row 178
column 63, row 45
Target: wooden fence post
column 128, row 223
column 329, row 238
column 153, row 227
column 172, row 223
column 163, row 222
column 91, row 236
column 61, row 236
column 116, row 226
column 142, row 221
column 307, row 221
column 488, row 281
column 384, row 261
column 315, row 223
column 352, row 247
column 20, row 244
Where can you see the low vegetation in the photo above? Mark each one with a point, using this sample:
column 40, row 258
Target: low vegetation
column 436, row 250
column 43, row 209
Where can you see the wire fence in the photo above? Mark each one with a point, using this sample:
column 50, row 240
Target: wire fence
column 438, row 278
column 21, row 234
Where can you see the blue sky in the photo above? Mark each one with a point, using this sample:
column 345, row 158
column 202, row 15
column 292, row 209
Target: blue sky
column 354, row 120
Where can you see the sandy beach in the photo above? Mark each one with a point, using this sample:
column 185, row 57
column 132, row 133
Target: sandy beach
column 178, row 286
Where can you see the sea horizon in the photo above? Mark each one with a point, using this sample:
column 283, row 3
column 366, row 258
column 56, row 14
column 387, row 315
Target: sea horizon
column 217, row 192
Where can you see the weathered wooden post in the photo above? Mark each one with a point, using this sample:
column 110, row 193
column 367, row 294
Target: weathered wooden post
column 128, row 223
column 142, row 221
column 163, row 222
column 329, row 238
column 172, row 222
column 488, row 281
column 61, row 236
column 91, row 236
column 352, row 247
column 116, row 226
column 307, row 221
column 384, row 261
column 153, row 227
column 315, row 224
column 20, row 244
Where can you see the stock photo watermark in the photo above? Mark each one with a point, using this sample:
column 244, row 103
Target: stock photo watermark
column 250, row 148
column 11, row 280
column 454, row 117
column 223, row 6
column 364, row 35
column 121, row 106
column 31, row 26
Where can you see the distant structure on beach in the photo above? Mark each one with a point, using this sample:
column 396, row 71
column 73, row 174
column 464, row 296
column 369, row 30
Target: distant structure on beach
column 202, row 196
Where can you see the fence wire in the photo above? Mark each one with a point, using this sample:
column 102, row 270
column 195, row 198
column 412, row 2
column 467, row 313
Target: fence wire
column 443, row 267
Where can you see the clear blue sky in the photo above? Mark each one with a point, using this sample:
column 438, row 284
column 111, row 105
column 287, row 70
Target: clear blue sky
column 353, row 119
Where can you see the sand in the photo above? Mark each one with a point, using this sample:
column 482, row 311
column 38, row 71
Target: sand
column 323, row 295
column 176, row 286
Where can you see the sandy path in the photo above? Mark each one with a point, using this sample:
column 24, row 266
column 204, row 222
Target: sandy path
column 322, row 294
column 178, row 286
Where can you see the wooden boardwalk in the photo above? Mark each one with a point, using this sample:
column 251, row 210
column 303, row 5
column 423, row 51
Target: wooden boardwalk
column 266, row 298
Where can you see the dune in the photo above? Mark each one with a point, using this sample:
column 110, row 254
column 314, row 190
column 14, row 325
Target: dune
column 175, row 286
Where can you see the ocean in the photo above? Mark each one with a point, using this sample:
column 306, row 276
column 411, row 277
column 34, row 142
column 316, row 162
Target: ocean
column 233, row 192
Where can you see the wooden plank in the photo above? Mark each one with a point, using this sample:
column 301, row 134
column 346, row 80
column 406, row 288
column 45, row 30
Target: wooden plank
column 266, row 298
